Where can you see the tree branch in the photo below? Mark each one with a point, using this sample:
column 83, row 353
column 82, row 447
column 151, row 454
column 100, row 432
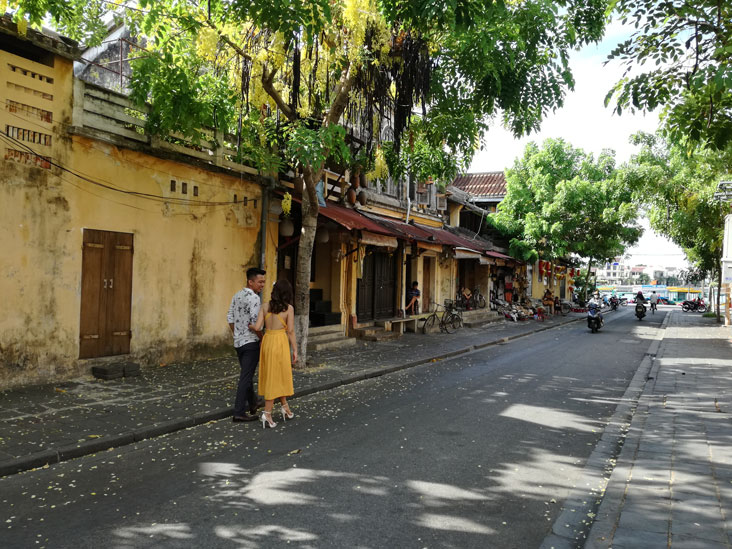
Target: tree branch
column 342, row 91
column 228, row 40
column 268, row 85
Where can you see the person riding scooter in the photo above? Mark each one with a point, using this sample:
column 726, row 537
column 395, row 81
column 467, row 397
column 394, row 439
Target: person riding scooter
column 594, row 313
column 640, row 307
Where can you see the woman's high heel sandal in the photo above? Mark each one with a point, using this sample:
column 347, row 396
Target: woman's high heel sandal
column 287, row 414
column 267, row 420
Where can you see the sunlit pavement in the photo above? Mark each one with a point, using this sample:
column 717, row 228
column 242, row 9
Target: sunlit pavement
column 51, row 423
column 480, row 450
column 672, row 486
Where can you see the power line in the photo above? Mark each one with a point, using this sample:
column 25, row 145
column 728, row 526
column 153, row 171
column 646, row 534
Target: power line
column 166, row 173
column 108, row 186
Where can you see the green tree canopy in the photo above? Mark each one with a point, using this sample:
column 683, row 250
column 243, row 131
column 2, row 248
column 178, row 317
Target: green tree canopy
column 561, row 201
column 679, row 59
column 678, row 190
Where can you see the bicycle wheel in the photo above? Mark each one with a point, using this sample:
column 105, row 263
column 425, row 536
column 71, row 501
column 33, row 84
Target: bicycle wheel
column 446, row 323
column 457, row 322
column 481, row 302
column 429, row 323
column 565, row 308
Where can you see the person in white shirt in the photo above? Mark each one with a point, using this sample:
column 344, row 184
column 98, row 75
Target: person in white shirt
column 654, row 301
column 242, row 318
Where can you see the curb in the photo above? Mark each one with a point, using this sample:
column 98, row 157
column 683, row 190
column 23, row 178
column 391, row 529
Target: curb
column 56, row 455
column 610, row 460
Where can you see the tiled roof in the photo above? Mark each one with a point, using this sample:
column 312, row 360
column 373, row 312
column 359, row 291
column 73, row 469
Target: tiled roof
column 482, row 184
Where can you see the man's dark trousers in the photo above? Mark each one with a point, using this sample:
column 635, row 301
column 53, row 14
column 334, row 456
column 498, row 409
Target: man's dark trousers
column 246, row 400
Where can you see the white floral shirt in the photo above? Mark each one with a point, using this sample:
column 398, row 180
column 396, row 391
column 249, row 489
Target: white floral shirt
column 244, row 311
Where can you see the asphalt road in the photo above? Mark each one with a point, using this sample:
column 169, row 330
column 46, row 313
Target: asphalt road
column 479, row 451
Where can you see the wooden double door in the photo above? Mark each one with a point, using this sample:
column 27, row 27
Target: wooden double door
column 376, row 290
column 106, row 294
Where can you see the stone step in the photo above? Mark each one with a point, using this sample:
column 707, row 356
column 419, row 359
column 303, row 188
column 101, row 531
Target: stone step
column 326, row 337
column 362, row 331
column 322, row 330
column 380, row 335
column 339, row 343
column 478, row 321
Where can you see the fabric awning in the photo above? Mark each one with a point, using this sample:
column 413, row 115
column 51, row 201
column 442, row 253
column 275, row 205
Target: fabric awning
column 378, row 239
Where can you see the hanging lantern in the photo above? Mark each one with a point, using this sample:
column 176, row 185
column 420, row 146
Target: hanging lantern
column 287, row 227
column 321, row 235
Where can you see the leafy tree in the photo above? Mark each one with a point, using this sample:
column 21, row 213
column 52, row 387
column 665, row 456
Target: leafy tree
column 688, row 45
column 678, row 191
column 561, row 201
column 331, row 75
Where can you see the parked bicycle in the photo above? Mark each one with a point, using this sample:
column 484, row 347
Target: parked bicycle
column 475, row 300
column 449, row 321
column 564, row 307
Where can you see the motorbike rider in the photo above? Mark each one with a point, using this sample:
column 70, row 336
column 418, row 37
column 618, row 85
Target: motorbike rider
column 639, row 297
column 654, row 301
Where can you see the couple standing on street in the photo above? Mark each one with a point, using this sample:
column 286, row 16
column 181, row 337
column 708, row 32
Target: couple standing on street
column 247, row 319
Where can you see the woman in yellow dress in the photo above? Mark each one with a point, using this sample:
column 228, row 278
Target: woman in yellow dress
column 275, row 367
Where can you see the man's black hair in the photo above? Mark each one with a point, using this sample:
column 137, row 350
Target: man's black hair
column 415, row 283
column 254, row 272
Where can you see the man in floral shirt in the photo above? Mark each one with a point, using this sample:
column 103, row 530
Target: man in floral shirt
column 242, row 317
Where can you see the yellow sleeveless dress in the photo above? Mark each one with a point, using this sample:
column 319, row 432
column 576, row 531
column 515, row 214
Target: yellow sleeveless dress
column 275, row 366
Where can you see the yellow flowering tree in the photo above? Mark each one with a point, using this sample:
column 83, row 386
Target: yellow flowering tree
column 302, row 83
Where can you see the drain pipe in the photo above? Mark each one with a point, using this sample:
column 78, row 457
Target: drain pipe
column 263, row 228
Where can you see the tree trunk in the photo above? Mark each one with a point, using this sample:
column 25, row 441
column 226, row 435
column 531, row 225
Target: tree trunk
column 719, row 292
column 304, row 253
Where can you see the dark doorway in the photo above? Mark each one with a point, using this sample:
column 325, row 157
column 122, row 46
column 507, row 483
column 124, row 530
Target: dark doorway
column 376, row 288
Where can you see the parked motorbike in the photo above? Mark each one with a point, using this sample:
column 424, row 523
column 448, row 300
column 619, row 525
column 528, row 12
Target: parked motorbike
column 594, row 317
column 640, row 310
column 614, row 302
column 694, row 305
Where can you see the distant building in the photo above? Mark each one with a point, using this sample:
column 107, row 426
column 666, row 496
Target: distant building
column 614, row 272
column 486, row 189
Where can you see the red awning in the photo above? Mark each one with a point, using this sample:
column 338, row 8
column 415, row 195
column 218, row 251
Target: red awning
column 351, row 219
column 499, row 255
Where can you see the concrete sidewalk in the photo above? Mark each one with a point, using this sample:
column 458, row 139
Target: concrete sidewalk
column 672, row 485
column 46, row 424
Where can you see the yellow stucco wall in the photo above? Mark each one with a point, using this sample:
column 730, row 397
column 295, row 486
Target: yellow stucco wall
column 188, row 260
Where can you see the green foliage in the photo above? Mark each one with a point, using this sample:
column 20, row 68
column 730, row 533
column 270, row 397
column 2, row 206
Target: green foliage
column 180, row 99
column 470, row 60
column 678, row 190
column 687, row 45
column 561, row 201
column 312, row 147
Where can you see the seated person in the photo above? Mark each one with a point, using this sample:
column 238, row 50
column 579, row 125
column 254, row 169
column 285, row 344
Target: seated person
column 466, row 297
column 413, row 294
column 548, row 301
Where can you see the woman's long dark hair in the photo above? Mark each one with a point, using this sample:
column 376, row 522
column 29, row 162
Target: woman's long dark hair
column 281, row 297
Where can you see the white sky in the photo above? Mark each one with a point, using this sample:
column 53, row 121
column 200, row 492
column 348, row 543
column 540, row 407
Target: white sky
column 586, row 123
